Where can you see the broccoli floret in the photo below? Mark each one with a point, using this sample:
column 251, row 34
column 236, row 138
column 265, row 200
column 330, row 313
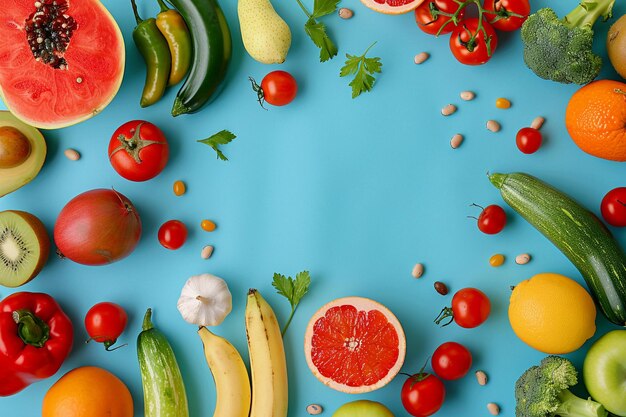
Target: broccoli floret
column 543, row 391
column 560, row 49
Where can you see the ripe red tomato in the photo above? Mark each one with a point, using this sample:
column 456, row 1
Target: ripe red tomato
column 613, row 207
column 172, row 234
column 503, row 16
column 528, row 140
column 105, row 322
column 470, row 308
column 422, row 394
column 430, row 21
column 492, row 219
column 138, row 150
column 471, row 45
column 277, row 88
column 451, row 360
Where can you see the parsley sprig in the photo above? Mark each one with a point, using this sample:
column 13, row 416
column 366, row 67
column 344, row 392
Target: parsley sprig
column 220, row 138
column 317, row 30
column 364, row 68
column 292, row 290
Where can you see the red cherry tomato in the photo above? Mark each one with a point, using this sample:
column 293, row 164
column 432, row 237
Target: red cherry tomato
column 277, row 88
column 105, row 322
column 428, row 19
column 422, row 394
column 613, row 207
column 138, row 150
column 503, row 13
column 451, row 361
column 492, row 219
column 528, row 140
column 172, row 234
column 470, row 308
column 471, row 45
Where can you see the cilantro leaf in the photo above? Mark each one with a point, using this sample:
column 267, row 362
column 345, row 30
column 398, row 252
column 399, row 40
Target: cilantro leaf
column 317, row 30
column 364, row 69
column 324, row 7
column 292, row 290
column 220, row 138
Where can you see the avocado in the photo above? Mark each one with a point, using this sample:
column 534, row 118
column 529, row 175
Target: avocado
column 22, row 153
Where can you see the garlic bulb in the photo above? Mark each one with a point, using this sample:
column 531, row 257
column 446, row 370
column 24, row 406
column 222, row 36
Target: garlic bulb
column 205, row 300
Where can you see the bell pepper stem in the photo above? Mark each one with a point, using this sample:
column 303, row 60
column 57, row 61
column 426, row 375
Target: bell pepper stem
column 147, row 320
column 31, row 329
column 134, row 5
column 163, row 6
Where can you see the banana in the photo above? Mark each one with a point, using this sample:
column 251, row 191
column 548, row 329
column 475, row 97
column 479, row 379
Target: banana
column 232, row 383
column 267, row 359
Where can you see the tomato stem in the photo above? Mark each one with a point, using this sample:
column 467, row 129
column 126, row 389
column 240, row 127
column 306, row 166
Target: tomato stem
column 259, row 91
column 445, row 313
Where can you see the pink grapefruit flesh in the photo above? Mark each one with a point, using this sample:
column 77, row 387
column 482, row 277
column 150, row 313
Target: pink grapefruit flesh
column 85, row 75
column 354, row 345
column 392, row 6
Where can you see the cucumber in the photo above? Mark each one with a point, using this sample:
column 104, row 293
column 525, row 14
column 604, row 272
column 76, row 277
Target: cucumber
column 163, row 388
column 577, row 232
column 212, row 50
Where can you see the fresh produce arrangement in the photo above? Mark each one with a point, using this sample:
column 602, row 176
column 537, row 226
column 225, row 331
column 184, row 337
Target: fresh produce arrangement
column 433, row 344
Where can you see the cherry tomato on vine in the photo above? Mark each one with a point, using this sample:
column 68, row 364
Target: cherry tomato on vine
column 430, row 21
column 105, row 322
column 473, row 43
column 138, row 150
column 507, row 15
column 278, row 88
column 451, row 360
column 528, row 140
column 422, row 394
column 172, row 234
column 492, row 219
column 470, row 308
column 613, row 207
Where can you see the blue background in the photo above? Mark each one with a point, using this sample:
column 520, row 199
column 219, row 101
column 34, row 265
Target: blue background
column 356, row 191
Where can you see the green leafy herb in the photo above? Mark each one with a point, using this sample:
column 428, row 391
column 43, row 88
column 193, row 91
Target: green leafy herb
column 220, row 138
column 292, row 290
column 364, row 68
column 317, row 30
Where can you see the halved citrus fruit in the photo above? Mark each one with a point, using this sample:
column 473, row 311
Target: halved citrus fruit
column 354, row 345
column 392, row 6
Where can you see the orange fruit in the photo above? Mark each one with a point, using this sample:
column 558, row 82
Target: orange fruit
column 596, row 119
column 354, row 345
column 88, row 392
column 552, row 313
column 392, row 6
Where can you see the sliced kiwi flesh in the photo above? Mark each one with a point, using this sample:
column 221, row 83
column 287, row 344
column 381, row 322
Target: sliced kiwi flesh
column 24, row 247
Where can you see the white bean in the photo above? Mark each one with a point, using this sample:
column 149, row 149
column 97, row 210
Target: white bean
column 448, row 110
column 72, row 154
column 456, row 141
column 314, row 409
column 418, row 270
column 345, row 13
column 481, row 377
column 421, row 58
column 207, row 251
column 537, row 122
column 493, row 408
column 522, row 259
column 493, row 126
column 467, row 95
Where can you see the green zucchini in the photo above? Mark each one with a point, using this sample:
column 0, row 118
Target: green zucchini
column 577, row 232
column 163, row 388
column 212, row 49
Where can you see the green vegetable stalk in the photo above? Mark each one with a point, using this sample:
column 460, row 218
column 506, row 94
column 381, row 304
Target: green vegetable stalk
column 561, row 49
column 156, row 53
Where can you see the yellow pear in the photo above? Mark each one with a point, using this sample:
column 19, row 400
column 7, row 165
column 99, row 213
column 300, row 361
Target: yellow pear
column 265, row 34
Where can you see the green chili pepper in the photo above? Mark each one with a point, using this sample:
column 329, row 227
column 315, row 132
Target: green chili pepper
column 153, row 48
column 174, row 29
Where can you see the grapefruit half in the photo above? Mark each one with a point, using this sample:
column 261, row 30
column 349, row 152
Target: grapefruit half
column 354, row 345
column 392, row 6
column 61, row 61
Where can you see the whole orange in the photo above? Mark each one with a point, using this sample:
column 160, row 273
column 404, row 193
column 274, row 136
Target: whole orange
column 596, row 119
column 88, row 392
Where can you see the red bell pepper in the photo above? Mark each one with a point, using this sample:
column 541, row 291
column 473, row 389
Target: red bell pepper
column 35, row 338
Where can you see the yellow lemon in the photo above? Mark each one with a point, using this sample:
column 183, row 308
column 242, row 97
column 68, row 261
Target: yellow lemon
column 552, row 313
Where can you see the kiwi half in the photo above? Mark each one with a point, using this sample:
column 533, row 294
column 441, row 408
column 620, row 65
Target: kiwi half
column 24, row 247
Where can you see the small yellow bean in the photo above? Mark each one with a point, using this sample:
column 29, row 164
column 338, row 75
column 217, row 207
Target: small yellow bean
column 496, row 260
column 503, row 103
column 179, row 188
column 208, row 225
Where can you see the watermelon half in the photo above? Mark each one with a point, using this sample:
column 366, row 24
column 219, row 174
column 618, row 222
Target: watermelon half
column 61, row 61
